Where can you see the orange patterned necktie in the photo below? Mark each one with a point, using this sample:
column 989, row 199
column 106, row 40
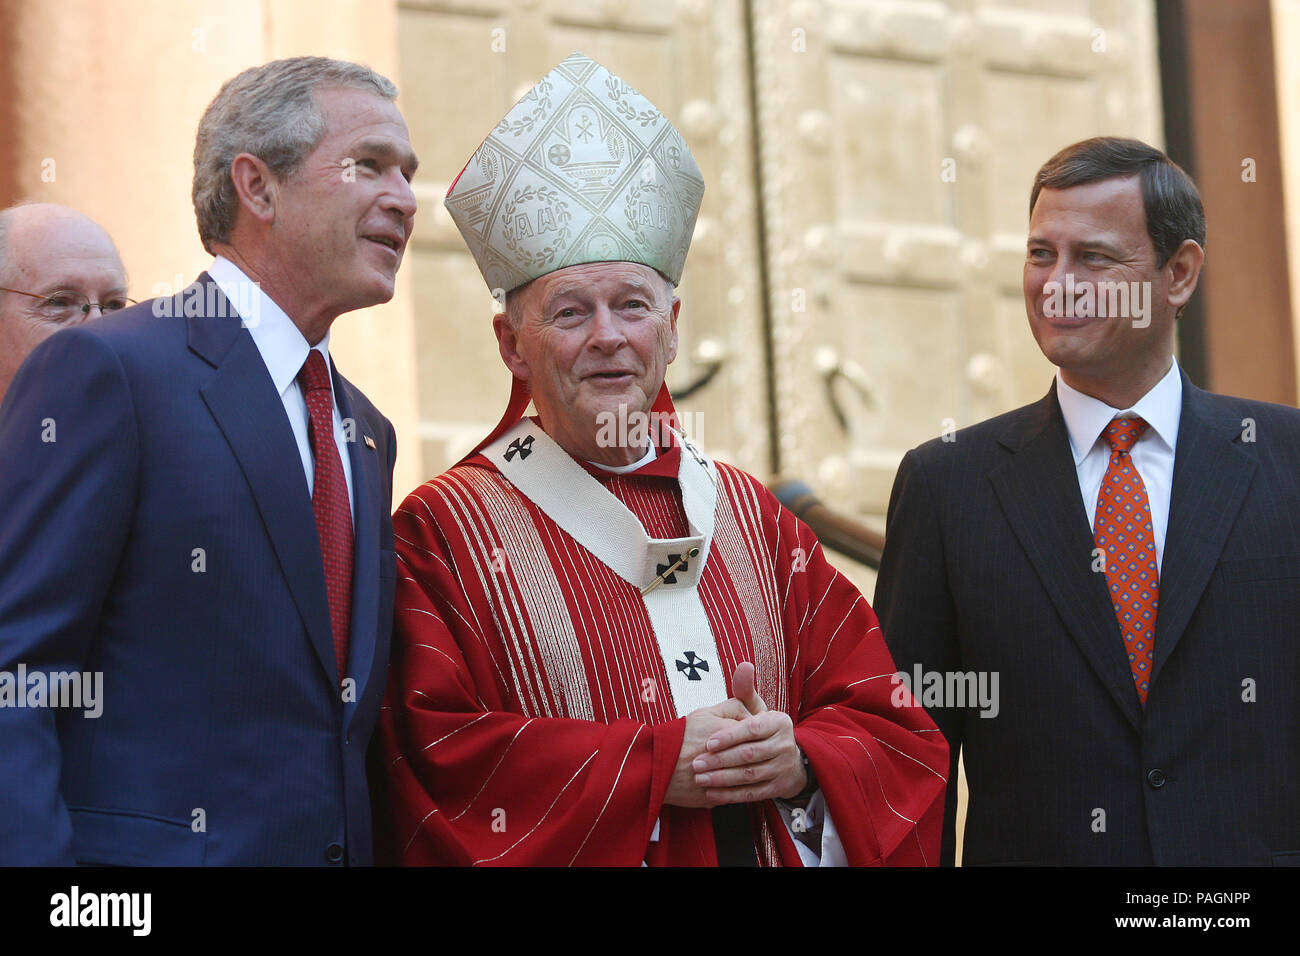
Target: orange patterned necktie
column 329, row 499
column 1122, row 530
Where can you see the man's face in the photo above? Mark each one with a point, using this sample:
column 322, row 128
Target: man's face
column 342, row 220
column 593, row 339
column 1097, row 233
column 60, row 255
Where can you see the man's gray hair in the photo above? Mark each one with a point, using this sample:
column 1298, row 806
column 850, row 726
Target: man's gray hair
column 270, row 112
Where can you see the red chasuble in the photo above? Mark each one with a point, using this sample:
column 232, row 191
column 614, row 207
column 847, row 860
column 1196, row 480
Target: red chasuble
column 530, row 717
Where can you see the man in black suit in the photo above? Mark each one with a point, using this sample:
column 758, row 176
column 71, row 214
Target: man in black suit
column 1124, row 556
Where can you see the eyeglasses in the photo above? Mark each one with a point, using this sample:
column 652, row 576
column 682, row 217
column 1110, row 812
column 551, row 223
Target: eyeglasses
column 62, row 306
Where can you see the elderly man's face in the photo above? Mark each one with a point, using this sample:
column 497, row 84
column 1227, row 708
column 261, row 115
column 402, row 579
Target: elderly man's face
column 595, row 340
column 343, row 219
column 58, row 254
column 1097, row 234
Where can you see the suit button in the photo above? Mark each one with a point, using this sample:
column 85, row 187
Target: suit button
column 334, row 853
column 1156, row 778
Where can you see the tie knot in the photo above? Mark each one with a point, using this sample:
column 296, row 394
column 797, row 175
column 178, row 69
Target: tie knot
column 1123, row 433
column 314, row 374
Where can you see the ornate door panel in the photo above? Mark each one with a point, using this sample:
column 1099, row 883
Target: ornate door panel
column 899, row 142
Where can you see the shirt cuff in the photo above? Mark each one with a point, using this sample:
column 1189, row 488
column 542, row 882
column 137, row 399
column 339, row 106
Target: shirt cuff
column 813, row 831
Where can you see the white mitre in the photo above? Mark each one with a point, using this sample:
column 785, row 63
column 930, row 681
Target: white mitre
column 582, row 169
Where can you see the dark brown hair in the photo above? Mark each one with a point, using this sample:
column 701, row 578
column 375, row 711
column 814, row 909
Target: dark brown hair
column 1172, row 204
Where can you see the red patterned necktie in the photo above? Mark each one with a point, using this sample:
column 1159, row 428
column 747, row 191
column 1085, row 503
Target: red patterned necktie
column 329, row 499
column 1122, row 530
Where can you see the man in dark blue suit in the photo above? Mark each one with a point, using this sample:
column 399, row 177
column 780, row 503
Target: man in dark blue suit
column 197, row 511
column 1124, row 555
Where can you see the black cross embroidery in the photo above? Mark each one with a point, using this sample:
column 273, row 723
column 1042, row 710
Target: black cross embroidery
column 672, row 559
column 523, row 447
column 699, row 459
column 692, row 665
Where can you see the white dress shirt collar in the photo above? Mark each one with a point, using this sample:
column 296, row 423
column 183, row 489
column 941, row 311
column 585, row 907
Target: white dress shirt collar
column 650, row 455
column 282, row 345
column 1087, row 417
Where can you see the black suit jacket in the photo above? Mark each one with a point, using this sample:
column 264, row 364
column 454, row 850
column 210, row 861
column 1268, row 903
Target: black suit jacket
column 988, row 567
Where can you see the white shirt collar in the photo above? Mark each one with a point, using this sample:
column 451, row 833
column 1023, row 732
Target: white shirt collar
column 282, row 345
column 650, row 455
column 1087, row 417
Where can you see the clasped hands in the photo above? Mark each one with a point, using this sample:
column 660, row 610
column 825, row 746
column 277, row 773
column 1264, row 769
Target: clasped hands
column 737, row 751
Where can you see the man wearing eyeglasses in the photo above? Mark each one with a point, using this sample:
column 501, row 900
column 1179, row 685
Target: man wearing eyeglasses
column 57, row 268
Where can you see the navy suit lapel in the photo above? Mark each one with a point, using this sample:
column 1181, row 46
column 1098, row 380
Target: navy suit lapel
column 367, row 494
column 1038, row 489
column 1212, row 473
column 249, row 412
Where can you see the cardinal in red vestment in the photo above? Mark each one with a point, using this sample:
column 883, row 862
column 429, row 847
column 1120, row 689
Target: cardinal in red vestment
column 610, row 649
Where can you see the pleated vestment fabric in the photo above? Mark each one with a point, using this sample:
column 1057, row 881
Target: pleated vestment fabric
column 526, row 719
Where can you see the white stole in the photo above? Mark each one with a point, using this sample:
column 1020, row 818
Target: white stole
column 545, row 474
